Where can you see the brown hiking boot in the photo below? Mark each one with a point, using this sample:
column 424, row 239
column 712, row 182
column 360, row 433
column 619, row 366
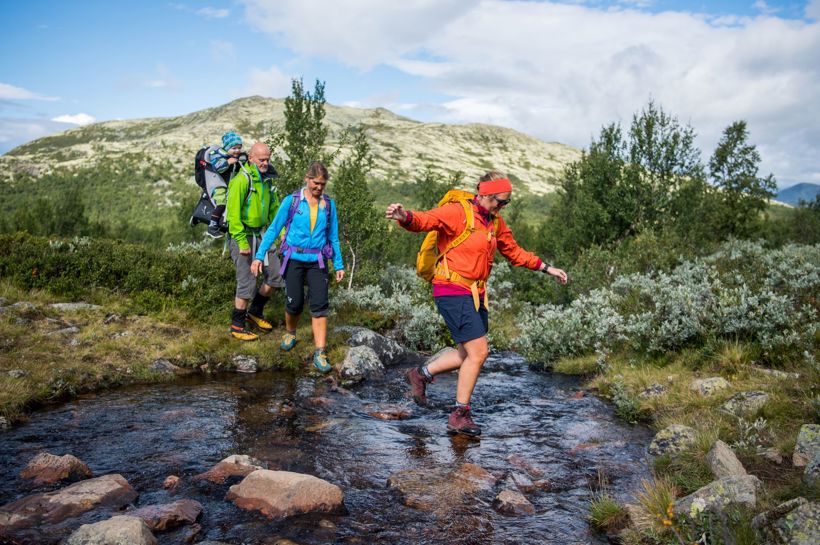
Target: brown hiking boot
column 418, row 385
column 461, row 422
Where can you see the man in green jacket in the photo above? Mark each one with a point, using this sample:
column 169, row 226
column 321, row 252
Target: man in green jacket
column 252, row 204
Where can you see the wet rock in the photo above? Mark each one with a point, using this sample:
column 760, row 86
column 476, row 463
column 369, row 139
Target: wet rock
column 168, row 515
column 808, row 444
column 436, row 488
column 653, row 390
column 513, row 503
column 811, row 476
column 388, row 351
column 121, row 530
column 521, row 482
column 280, row 494
column 389, row 412
column 708, row 386
column 47, row 468
column 723, row 462
column 360, row 363
column 746, row 402
column 164, row 366
column 193, row 532
column 53, row 507
column 245, row 364
column 673, row 439
column 4, row 423
column 795, row 522
column 171, row 482
column 74, row 307
column 717, row 495
column 236, row 465
column 520, row 462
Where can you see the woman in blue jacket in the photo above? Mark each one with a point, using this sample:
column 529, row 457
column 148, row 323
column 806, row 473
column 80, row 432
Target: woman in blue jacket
column 310, row 241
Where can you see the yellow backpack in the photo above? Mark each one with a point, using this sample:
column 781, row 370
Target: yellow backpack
column 428, row 256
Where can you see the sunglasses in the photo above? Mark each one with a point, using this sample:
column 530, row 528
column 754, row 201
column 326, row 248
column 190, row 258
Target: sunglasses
column 501, row 202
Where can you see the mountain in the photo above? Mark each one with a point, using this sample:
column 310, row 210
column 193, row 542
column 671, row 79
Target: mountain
column 402, row 147
column 794, row 194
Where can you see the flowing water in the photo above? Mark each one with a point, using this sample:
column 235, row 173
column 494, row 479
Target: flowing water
column 530, row 420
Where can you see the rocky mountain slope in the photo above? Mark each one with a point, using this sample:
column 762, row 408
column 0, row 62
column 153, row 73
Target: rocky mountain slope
column 402, row 147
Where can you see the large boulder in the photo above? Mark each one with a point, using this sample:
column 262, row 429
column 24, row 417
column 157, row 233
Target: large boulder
column 808, row 445
column 438, row 489
column 746, row 402
column 723, row 462
column 236, row 465
column 513, row 503
column 48, row 468
column 280, row 494
column 738, row 490
column 388, row 351
column 121, row 530
column 111, row 491
column 708, row 386
column 360, row 363
column 795, row 522
column 672, row 439
column 168, row 515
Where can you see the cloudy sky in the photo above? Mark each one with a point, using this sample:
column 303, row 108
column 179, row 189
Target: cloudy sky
column 558, row 70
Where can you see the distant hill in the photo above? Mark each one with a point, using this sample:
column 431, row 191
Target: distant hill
column 402, row 147
column 794, row 194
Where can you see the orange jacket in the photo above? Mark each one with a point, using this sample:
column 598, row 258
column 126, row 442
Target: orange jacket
column 473, row 258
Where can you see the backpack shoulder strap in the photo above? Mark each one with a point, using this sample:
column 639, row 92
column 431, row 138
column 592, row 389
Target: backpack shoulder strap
column 468, row 229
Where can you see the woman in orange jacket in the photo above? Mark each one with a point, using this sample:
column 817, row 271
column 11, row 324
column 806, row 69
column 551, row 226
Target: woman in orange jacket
column 459, row 285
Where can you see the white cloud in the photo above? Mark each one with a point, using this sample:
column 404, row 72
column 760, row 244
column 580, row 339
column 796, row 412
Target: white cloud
column 269, row 83
column 12, row 92
column 75, row 119
column 561, row 71
column 213, row 13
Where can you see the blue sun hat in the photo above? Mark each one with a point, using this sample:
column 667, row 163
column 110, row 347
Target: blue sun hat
column 231, row 139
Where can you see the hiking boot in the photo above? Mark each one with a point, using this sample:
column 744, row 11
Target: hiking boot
column 214, row 231
column 243, row 334
column 461, row 422
column 418, row 385
column 320, row 361
column 288, row 341
column 260, row 323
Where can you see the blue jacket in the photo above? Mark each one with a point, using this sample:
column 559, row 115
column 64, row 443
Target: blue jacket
column 300, row 235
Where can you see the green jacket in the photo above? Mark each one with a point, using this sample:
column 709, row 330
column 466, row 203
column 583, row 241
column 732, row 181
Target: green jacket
column 251, row 207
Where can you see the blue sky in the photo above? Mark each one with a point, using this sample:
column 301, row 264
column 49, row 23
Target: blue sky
column 556, row 70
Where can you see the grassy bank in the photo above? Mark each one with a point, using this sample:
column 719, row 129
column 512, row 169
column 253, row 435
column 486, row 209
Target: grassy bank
column 49, row 355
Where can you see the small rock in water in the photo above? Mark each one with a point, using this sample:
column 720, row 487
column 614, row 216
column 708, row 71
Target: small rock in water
column 245, row 364
column 513, row 503
column 389, row 412
column 360, row 363
column 116, row 530
column 171, row 482
column 47, row 468
column 280, row 494
column 169, row 515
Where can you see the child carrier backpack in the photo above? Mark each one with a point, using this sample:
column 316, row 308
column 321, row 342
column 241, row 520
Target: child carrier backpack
column 202, row 163
column 429, row 257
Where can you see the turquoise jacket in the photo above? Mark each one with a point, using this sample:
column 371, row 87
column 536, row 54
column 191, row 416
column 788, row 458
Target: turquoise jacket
column 300, row 235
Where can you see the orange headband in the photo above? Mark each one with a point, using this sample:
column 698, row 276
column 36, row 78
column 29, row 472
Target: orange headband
column 491, row 187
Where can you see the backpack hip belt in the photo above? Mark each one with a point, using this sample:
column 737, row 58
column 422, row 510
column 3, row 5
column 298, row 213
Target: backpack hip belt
column 444, row 273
